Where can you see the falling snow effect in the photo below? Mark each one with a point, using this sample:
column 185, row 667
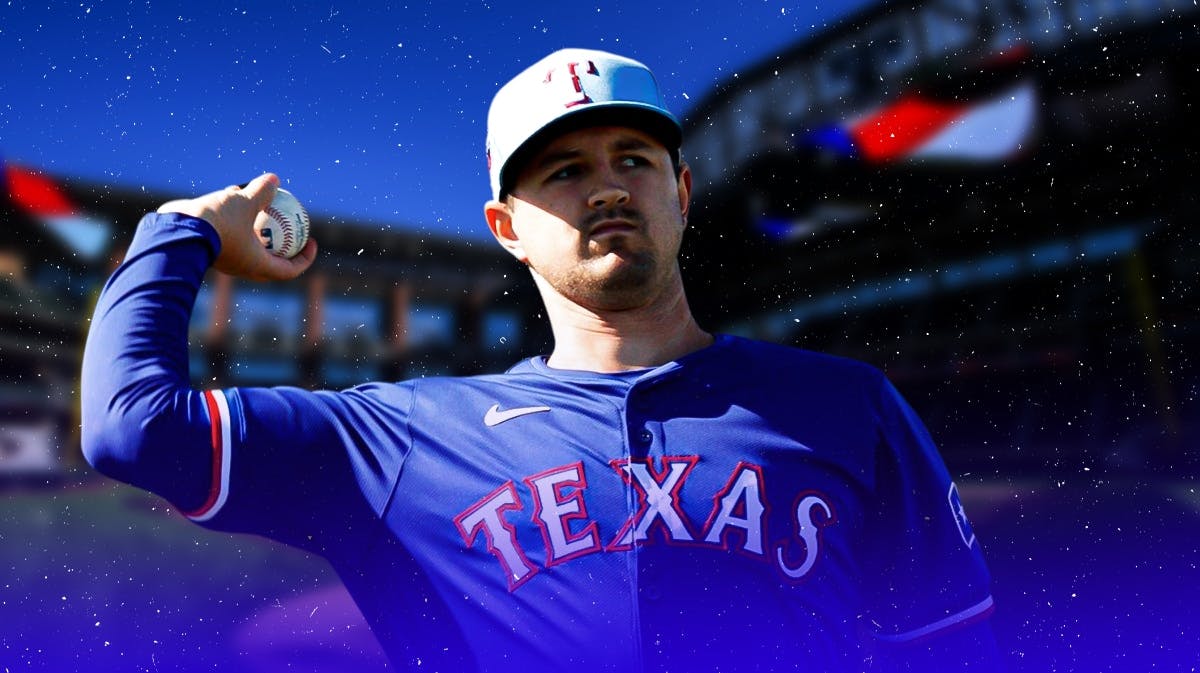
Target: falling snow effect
column 1038, row 310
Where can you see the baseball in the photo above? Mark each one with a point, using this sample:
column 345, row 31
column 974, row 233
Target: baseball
column 283, row 226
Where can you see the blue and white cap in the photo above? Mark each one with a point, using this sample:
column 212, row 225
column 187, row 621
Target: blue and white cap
column 567, row 90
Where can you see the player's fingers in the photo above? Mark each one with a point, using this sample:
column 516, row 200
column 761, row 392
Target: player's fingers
column 261, row 190
column 304, row 258
column 273, row 267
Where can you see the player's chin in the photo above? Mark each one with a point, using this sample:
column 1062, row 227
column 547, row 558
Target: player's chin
column 631, row 274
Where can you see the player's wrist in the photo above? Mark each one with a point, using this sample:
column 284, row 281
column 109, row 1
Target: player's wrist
column 189, row 207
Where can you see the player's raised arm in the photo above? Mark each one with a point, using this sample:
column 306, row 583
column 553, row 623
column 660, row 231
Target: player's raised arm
column 142, row 422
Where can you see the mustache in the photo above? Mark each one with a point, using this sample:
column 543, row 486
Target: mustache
column 621, row 213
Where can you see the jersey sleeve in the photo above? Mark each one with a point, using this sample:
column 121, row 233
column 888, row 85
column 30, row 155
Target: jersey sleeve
column 306, row 468
column 927, row 577
column 282, row 462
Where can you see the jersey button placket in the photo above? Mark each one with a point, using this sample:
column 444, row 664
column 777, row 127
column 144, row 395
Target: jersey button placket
column 641, row 436
column 638, row 438
column 643, row 431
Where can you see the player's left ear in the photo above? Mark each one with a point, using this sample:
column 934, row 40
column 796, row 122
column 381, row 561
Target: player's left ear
column 684, row 181
column 500, row 222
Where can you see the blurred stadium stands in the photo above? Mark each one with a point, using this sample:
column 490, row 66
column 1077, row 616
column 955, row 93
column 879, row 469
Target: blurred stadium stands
column 379, row 303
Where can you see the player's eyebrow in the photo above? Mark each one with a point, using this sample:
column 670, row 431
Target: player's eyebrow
column 622, row 144
column 629, row 143
column 554, row 158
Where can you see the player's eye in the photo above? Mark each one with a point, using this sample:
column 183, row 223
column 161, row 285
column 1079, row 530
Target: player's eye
column 563, row 172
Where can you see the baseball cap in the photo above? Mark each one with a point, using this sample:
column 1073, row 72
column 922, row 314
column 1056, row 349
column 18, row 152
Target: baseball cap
column 567, row 90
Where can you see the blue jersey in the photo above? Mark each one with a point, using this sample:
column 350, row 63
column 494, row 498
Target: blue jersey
column 747, row 507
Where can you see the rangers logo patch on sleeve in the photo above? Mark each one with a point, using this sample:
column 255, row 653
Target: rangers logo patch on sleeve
column 960, row 516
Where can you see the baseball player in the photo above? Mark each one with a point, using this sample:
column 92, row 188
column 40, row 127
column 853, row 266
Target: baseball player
column 648, row 497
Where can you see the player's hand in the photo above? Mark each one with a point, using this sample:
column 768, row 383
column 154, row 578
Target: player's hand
column 231, row 211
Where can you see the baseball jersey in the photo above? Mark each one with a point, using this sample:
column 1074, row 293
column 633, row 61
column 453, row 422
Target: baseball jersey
column 747, row 507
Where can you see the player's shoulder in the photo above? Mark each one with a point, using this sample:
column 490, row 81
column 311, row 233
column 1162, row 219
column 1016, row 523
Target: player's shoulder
column 765, row 357
column 449, row 386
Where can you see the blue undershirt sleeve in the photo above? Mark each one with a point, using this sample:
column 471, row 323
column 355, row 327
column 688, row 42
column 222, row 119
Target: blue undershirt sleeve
column 141, row 421
column 306, row 468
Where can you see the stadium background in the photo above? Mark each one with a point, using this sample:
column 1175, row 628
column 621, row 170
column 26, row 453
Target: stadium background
column 995, row 203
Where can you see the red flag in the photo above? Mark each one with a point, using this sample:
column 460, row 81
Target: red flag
column 36, row 193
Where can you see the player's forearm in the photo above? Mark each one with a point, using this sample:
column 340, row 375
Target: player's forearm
column 142, row 422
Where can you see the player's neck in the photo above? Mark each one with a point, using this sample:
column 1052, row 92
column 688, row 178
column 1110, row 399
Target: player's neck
column 613, row 341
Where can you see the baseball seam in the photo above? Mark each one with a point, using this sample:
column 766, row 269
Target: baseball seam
column 288, row 237
column 303, row 225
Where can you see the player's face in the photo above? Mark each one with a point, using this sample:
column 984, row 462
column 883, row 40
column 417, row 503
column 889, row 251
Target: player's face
column 599, row 215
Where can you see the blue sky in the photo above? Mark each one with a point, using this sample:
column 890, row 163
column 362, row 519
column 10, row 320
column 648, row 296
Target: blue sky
column 367, row 112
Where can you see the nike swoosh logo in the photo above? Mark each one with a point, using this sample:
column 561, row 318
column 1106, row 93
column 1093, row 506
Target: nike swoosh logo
column 495, row 416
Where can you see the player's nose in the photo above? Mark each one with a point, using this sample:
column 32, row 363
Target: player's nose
column 608, row 193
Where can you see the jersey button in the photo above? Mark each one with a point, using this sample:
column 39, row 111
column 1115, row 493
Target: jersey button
column 645, row 436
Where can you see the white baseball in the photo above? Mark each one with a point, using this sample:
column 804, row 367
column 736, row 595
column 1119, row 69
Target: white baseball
column 283, row 226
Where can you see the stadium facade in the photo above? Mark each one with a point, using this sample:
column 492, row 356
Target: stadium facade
column 994, row 202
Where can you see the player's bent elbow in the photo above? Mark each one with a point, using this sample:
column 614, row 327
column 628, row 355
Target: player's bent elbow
column 104, row 445
column 154, row 445
column 115, row 443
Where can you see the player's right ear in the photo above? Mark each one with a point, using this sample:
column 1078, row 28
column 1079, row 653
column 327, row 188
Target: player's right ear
column 500, row 222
